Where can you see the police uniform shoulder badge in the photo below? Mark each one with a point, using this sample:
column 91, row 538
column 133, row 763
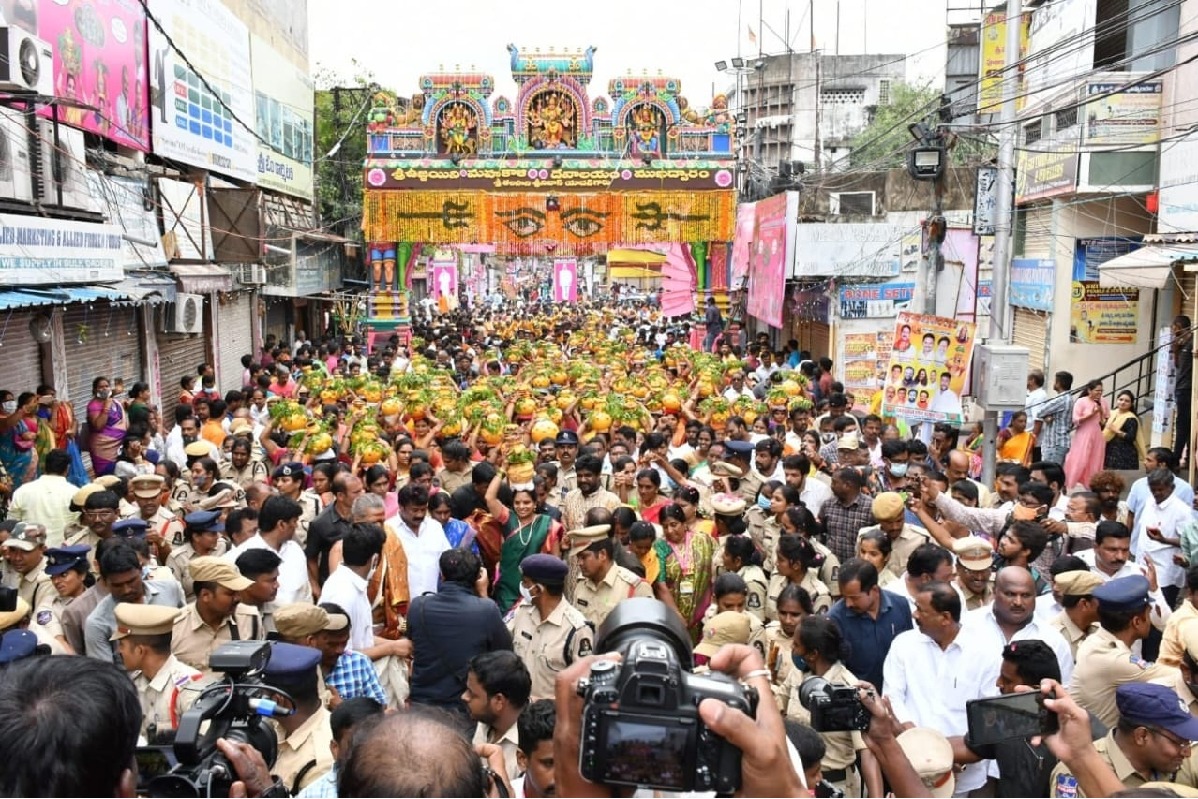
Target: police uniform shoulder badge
column 1066, row 786
column 44, row 617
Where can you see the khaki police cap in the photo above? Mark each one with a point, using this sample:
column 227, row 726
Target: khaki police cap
column 86, row 491
column 888, row 506
column 974, row 553
column 585, row 536
column 724, row 469
column 728, row 504
column 301, row 619
column 146, row 486
column 210, row 569
column 1076, row 583
column 137, row 619
column 198, row 449
column 729, row 627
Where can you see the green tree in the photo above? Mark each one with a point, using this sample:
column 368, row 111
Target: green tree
column 884, row 142
column 341, row 111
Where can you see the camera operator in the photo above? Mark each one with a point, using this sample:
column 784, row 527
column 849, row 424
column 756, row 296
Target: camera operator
column 820, row 646
column 766, row 765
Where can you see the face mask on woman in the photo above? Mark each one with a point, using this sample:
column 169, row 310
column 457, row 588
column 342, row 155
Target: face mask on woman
column 9, row 407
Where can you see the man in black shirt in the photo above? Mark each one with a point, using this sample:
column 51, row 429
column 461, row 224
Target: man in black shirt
column 329, row 527
column 449, row 628
column 1024, row 770
column 1183, row 381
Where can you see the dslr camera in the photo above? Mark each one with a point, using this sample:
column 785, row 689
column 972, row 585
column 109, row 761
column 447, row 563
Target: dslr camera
column 833, row 708
column 234, row 708
column 640, row 723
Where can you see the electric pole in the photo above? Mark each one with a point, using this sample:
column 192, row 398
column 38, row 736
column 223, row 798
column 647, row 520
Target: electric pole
column 1004, row 220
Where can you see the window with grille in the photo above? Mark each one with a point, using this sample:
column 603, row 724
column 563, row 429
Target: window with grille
column 1032, row 132
column 842, row 97
column 884, row 92
column 1066, row 118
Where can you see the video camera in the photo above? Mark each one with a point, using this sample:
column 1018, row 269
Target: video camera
column 833, row 708
column 234, row 707
column 641, row 724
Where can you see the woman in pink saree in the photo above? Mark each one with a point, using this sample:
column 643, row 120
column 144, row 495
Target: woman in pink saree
column 1090, row 413
column 108, row 422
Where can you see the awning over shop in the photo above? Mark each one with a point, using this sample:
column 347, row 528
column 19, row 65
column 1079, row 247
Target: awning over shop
column 1149, row 267
column 29, row 298
column 202, row 278
column 629, row 256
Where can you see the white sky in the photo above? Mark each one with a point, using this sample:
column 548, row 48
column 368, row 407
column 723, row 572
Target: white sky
column 399, row 40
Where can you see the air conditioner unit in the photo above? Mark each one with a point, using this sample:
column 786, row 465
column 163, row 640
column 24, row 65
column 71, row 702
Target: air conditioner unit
column 16, row 181
column 66, row 166
column 186, row 315
column 253, row 275
column 26, row 62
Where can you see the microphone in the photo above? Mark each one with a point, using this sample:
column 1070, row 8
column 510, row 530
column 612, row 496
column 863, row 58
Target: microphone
column 269, row 707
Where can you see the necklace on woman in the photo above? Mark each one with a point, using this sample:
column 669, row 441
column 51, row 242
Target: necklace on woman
column 524, row 539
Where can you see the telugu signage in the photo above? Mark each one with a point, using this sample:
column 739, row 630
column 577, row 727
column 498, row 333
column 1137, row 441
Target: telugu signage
column 200, row 117
column 540, row 175
column 848, row 250
column 1032, row 281
column 1040, row 175
column 874, row 301
column 283, row 116
column 994, row 58
column 1119, row 115
column 39, row 252
column 767, row 272
column 1103, row 314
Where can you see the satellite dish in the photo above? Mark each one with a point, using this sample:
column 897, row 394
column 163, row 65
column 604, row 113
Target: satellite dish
column 39, row 328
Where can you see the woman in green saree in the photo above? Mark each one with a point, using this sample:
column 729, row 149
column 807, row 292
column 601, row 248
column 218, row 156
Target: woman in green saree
column 525, row 532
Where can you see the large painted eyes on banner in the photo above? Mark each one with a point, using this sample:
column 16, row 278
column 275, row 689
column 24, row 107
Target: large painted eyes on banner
column 527, row 222
column 523, row 222
column 583, row 222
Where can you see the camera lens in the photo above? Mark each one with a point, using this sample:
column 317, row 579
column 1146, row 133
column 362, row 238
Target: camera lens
column 639, row 618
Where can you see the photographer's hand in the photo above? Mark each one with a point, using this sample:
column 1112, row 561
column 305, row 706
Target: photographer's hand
column 766, row 768
column 253, row 775
column 1073, row 744
column 567, row 730
column 883, row 744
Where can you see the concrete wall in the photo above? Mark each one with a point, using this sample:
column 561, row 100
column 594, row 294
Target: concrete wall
column 894, row 191
column 283, row 23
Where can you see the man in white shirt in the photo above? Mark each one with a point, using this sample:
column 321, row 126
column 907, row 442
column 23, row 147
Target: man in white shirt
column 422, row 537
column 1036, row 395
column 47, row 500
column 1011, row 617
column 814, row 493
column 1157, row 536
column 1111, row 558
column 933, row 670
column 277, row 522
column 361, row 549
column 737, row 389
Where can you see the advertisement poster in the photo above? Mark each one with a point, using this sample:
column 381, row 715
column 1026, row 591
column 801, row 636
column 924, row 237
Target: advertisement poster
column 866, row 357
column 1103, row 314
column 36, row 251
column 860, row 346
column 860, row 382
column 1162, row 408
column 283, row 115
column 746, row 214
column 874, row 301
column 767, row 277
column 445, row 283
column 994, row 58
column 565, row 280
column 100, row 61
column 1044, row 174
column 1123, row 116
column 928, row 366
column 193, row 116
column 1032, row 282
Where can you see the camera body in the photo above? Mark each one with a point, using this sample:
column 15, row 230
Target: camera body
column 233, row 708
column 833, row 708
column 640, row 723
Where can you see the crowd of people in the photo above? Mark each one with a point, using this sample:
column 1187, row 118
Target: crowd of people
column 440, row 526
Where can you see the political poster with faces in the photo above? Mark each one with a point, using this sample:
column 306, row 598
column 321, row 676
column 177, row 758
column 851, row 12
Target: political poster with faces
column 929, row 363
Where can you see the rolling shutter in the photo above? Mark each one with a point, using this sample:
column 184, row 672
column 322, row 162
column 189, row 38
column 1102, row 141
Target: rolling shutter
column 235, row 333
column 1030, row 329
column 178, row 354
column 102, row 340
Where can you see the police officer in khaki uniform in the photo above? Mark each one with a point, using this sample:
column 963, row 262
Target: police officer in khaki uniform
column 975, row 572
column 165, row 686
column 728, row 510
column 202, row 536
column 305, row 624
column 603, row 583
column 216, row 616
column 58, row 562
column 1150, row 744
column 304, row 738
column 890, row 512
column 740, row 455
column 1105, row 660
column 25, row 551
column 1079, row 617
column 548, row 633
column 147, row 490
